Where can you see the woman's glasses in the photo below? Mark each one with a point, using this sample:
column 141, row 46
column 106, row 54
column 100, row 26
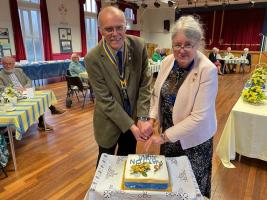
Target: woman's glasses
column 186, row 47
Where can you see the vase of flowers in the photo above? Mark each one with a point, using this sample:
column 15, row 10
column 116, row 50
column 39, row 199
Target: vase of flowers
column 10, row 95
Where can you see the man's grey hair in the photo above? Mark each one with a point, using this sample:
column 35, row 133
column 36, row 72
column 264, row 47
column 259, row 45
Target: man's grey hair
column 191, row 28
column 111, row 10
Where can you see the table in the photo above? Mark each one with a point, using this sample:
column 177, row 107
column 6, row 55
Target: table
column 26, row 113
column 108, row 178
column 154, row 67
column 45, row 69
column 233, row 61
column 245, row 132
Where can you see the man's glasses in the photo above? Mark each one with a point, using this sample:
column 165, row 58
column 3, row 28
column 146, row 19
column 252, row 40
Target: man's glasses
column 8, row 63
column 186, row 47
column 118, row 29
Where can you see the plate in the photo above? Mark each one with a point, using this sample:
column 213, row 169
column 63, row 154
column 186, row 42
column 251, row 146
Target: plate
column 10, row 110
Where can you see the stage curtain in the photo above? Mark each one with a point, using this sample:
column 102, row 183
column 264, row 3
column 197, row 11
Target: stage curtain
column 207, row 19
column 241, row 28
column 82, row 25
column 18, row 39
column 48, row 54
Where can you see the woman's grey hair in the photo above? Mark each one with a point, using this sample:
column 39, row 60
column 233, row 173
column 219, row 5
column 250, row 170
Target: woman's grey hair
column 191, row 28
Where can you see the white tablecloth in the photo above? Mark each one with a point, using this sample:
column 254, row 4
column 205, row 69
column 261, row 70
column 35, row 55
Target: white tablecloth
column 245, row 132
column 108, row 179
column 235, row 60
column 154, row 67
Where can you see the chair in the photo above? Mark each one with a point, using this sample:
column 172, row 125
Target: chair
column 68, row 72
column 75, row 85
column 242, row 66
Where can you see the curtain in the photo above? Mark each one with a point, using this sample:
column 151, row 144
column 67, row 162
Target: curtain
column 133, row 32
column 82, row 24
column 207, row 19
column 241, row 28
column 48, row 54
column 18, row 39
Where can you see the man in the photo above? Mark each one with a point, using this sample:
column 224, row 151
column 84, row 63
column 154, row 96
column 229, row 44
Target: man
column 119, row 74
column 75, row 66
column 16, row 77
column 245, row 55
column 229, row 55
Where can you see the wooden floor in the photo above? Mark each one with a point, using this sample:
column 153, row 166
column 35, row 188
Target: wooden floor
column 61, row 164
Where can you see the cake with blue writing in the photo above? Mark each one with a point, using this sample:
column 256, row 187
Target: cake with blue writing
column 146, row 172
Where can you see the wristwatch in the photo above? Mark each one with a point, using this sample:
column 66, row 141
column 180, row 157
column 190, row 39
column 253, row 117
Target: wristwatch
column 142, row 118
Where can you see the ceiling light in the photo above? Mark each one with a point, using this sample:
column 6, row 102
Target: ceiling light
column 157, row 4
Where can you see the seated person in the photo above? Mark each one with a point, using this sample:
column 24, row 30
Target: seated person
column 156, row 55
column 163, row 53
column 16, row 77
column 229, row 55
column 214, row 56
column 75, row 66
column 247, row 56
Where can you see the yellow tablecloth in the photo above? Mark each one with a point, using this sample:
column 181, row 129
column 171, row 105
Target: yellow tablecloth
column 245, row 132
column 27, row 111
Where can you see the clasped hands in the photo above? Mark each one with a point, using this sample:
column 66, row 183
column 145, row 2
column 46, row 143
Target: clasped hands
column 143, row 132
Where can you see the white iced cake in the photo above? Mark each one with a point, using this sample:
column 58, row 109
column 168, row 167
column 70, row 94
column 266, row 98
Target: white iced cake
column 146, row 172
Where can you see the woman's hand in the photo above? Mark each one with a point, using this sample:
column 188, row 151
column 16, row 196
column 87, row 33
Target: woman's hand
column 154, row 139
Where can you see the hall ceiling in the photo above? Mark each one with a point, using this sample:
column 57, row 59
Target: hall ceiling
column 195, row 3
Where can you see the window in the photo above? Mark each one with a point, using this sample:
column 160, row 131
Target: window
column 90, row 6
column 30, row 1
column 31, row 31
column 91, row 32
column 129, row 15
column 90, row 13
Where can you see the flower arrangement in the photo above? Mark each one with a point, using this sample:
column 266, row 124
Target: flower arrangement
column 9, row 93
column 254, row 88
column 253, row 94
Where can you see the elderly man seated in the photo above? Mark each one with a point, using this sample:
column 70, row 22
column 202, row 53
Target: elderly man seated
column 75, row 67
column 245, row 55
column 214, row 57
column 16, row 77
column 228, row 55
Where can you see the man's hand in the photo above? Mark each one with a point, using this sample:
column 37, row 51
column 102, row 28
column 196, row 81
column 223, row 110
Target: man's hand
column 137, row 134
column 145, row 128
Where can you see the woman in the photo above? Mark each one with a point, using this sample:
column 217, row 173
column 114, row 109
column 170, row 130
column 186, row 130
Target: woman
column 183, row 100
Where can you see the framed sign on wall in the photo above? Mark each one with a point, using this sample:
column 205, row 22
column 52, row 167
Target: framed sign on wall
column 5, row 46
column 65, row 40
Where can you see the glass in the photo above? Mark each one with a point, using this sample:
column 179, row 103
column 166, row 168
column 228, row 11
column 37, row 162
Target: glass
column 35, row 23
column 120, row 28
column 38, row 49
column 30, row 50
column 26, row 20
column 186, row 47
